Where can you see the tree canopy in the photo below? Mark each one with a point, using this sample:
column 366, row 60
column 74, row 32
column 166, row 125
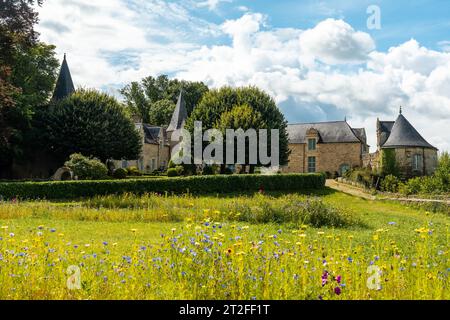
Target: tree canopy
column 244, row 107
column 91, row 123
column 144, row 99
column 28, row 70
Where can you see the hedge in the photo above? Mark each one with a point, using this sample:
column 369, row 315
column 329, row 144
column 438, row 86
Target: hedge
column 194, row 184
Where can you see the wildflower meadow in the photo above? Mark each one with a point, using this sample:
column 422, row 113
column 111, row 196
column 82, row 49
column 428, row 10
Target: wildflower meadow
column 250, row 247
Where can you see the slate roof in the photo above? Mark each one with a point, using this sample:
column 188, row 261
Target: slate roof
column 64, row 85
column 403, row 134
column 152, row 133
column 329, row 132
column 179, row 116
column 360, row 133
column 385, row 128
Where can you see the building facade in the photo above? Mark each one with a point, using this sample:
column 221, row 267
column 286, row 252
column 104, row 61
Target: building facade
column 330, row 147
column 414, row 156
column 156, row 140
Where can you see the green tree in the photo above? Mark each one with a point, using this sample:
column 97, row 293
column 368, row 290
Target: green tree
column 91, row 123
column 161, row 112
column 258, row 108
column 28, row 71
column 142, row 98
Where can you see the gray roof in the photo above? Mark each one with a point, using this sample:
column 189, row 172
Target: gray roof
column 179, row 115
column 403, row 134
column 385, row 128
column 64, row 85
column 329, row 132
column 360, row 133
column 152, row 133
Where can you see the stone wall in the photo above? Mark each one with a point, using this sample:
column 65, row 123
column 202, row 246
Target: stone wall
column 329, row 157
column 404, row 159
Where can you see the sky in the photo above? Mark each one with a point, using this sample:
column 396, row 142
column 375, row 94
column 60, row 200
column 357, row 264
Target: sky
column 320, row 60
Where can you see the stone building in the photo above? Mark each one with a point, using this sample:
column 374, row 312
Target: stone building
column 330, row 147
column 157, row 145
column 414, row 156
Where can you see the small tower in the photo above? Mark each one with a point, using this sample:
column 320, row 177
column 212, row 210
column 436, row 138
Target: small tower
column 178, row 118
column 64, row 85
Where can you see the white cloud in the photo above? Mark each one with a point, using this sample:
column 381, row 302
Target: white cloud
column 211, row 4
column 444, row 45
column 323, row 73
column 334, row 41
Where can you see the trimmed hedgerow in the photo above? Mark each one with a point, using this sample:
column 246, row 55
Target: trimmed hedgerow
column 195, row 184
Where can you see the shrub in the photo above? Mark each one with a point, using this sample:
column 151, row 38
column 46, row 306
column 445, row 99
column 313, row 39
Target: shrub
column 133, row 171
column 194, row 184
column 207, row 171
column 86, row 168
column 412, row 186
column 390, row 183
column 172, row 172
column 120, row 173
column 179, row 170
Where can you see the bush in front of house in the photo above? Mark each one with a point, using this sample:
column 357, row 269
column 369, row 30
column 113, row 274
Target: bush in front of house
column 193, row 184
column 120, row 173
column 86, row 168
column 390, row 183
column 133, row 171
column 172, row 172
column 208, row 171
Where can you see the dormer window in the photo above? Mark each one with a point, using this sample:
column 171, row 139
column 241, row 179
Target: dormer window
column 311, row 144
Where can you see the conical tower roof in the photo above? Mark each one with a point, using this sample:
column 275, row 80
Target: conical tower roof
column 179, row 115
column 64, row 85
column 403, row 134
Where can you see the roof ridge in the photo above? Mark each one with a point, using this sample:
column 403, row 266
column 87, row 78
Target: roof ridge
column 319, row 122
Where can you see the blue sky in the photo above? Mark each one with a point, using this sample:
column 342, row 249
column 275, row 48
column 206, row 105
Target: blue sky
column 317, row 59
column 424, row 20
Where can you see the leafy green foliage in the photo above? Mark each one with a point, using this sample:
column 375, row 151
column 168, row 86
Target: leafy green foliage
column 390, row 183
column 172, row 172
column 120, row 173
column 264, row 113
column 152, row 99
column 161, row 112
column 27, row 74
column 388, row 162
column 438, row 183
column 195, row 184
column 133, row 171
column 86, row 168
column 91, row 123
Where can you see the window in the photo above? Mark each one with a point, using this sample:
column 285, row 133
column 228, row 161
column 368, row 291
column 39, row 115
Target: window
column 417, row 162
column 311, row 164
column 343, row 169
column 311, row 144
column 153, row 164
column 124, row 164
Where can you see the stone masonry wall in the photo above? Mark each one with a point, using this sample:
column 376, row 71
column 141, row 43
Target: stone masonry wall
column 329, row 157
column 404, row 159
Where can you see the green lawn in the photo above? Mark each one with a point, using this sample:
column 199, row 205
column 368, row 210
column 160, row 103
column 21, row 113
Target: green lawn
column 250, row 246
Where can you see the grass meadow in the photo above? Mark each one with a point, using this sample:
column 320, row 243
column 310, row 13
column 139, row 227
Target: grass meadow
column 325, row 245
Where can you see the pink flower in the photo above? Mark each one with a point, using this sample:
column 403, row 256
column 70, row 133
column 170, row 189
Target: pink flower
column 337, row 290
column 338, row 279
